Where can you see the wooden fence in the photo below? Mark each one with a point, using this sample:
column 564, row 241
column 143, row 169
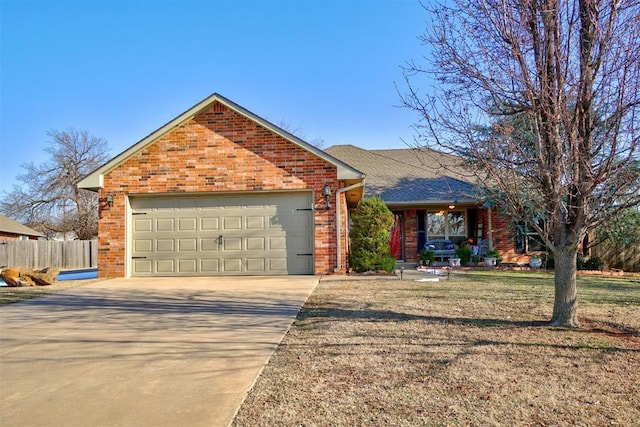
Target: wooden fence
column 49, row 253
column 628, row 260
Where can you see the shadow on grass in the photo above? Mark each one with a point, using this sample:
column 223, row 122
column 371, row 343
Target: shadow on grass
column 390, row 316
column 321, row 314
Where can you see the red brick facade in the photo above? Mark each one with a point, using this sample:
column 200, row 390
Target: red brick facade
column 219, row 150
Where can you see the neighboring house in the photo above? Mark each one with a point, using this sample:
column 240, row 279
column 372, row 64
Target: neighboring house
column 432, row 198
column 220, row 191
column 12, row 230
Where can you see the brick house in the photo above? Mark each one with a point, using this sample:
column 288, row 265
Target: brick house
column 432, row 198
column 221, row 191
column 12, row 230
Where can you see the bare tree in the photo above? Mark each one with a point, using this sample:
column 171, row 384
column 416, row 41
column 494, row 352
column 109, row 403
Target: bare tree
column 542, row 97
column 297, row 131
column 47, row 198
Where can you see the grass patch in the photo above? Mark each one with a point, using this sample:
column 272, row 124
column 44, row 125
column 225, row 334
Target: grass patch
column 473, row 350
column 10, row 295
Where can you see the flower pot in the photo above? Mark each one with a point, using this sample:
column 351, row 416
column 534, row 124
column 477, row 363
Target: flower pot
column 535, row 262
column 490, row 262
column 454, row 262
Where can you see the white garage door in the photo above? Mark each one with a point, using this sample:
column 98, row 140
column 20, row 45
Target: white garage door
column 248, row 234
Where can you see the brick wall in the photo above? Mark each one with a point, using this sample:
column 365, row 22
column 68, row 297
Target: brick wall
column 411, row 235
column 219, row 150
column 503, row 238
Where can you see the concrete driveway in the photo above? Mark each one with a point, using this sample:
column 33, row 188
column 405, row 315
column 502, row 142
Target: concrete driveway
column 142, row 352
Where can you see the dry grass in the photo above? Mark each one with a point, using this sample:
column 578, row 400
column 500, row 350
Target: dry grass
column 9, row 295
column 473, row 350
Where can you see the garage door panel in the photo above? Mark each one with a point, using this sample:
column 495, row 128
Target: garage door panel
column 232, row 223
column 187, row 224
column 208, row 245
column 254, row 223
column 275, row 222
column 232, row 243
column 209, row 265
column 232, row 265
column 143, row 245
column 165, row 224
column 255, row 243
column 142, row 266
column 277, row 264
column 165, row 245
column 255, row 265
column 277, row 243
column 208, row 223
column 187, row 266
column 165, row 266
column 141, row 225
column 270, row 233
column 187, row 245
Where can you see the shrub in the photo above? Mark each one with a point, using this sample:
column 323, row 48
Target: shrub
column 548, row 262
column 371, row 221
column 387, row 263
column 593, row 263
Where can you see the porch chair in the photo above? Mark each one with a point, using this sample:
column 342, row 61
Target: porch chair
column 483, row 248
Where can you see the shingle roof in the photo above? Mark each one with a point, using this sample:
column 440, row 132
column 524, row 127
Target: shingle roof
column 409, row 176
column 10, row 226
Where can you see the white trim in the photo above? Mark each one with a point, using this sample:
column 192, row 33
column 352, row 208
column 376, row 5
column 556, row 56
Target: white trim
column 128, row 232
column 338, row 234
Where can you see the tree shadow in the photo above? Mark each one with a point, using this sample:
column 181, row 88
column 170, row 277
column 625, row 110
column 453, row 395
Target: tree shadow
column 317, row 315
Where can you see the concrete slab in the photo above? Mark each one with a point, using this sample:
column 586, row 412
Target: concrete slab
column 141, row 352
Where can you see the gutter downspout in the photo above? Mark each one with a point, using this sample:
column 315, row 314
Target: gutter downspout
column 339, row 240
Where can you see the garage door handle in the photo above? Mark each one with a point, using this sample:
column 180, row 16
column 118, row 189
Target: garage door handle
column 220, row 239
column 138, row 257
column 304, row 254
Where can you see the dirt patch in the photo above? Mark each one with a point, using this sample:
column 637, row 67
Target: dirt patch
column 472, row 350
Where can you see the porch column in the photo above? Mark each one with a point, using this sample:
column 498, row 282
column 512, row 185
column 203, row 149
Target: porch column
column 490, row 229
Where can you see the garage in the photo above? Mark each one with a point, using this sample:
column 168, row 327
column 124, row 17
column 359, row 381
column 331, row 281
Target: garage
column 219, row 190
column 266, row 233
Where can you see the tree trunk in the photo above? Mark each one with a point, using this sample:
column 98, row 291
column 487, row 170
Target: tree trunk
column 565, row 306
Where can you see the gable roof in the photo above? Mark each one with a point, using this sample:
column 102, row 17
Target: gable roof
column 94, row 180
column 410, row 176
column 7, row 225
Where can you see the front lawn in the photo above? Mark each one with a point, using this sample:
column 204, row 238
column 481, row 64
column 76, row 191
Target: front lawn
column 473, row 350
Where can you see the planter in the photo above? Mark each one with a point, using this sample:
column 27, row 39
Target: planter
column 535, row 262
column 490, row 262
column 454, row 262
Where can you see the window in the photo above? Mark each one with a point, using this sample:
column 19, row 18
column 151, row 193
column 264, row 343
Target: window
column 528, row 240
column 450, row 225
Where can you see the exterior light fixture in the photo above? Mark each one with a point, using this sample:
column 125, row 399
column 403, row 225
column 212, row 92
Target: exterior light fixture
column 452, row 206
column 110, row 199
column 326, row 192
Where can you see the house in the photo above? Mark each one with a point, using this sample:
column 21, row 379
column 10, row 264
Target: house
column 12, row 230
column 432, row 197
column 219, row 190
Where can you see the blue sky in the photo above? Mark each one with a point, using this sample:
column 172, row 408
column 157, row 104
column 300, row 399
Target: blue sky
column 121, row 69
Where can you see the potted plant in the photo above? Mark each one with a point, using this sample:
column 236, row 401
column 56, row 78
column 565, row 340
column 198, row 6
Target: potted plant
column 493, row 258
column 464, row 253
column 427, row 257
column 535, row 261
